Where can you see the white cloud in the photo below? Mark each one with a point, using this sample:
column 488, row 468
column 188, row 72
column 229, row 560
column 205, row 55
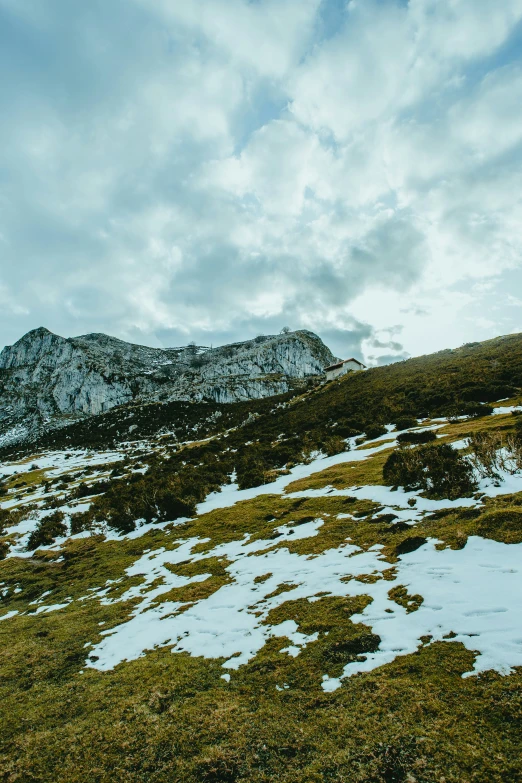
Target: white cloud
column 268, row 37
column 220, row 166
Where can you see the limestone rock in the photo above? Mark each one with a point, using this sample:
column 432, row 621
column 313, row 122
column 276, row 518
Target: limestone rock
column 47, row 380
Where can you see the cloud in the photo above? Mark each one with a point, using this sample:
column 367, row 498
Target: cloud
column 212, row 170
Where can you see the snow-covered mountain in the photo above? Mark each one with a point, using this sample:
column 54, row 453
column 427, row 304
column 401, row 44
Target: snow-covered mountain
column 48, row 379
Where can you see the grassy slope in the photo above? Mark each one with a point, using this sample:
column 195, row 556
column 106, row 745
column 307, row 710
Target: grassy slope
column 168, row 717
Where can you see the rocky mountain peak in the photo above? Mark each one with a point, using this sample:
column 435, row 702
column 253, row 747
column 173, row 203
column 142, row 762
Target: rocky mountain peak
column 45, row 379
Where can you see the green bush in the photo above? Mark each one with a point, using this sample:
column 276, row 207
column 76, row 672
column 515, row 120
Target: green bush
column 334, row 445
column 250, row 473
column 425, row 436
column 85, row 490
column 439, row 471
column 80, row 522
column 171, row 507
column 47, row 530
column 375, row 431
column 405, row 423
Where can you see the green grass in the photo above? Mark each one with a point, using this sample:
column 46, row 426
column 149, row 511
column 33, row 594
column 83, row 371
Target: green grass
column 172, row 718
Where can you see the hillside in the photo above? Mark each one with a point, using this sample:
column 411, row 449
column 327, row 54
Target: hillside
column 47, row 381
column 318, row 586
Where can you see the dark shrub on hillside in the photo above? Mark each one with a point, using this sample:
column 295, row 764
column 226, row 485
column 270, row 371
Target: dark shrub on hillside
column 47, row 530
column 474, row 409
column 80, row 522
column 405, row 423
column 440, row 471
column 426, row 436
column 251, row 473
column 85, row 490
column 156, row 497
column 346, row 432
column 487, row 392
column 375, row 431
column 334, row 445
column 171, row 507
column 281, row 453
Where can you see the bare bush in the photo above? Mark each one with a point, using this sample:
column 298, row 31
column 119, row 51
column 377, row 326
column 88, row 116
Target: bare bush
column 495, row 452
column 485, row 453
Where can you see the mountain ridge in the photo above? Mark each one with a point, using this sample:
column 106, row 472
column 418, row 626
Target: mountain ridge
column 47, row 380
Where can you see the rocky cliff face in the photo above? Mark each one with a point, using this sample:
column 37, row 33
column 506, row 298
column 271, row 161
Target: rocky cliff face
column 47, row 380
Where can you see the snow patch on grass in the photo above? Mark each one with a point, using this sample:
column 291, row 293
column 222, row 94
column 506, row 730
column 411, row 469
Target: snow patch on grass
column 473, row 593
column 470, row 596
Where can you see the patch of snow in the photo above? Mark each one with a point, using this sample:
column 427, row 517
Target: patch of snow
column 51, row 608
column 460, row 444
column 9, row 615
column 473, row 593
column 508, row 409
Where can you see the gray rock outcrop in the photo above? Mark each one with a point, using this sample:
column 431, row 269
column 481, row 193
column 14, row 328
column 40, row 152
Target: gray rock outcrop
column 47, row 380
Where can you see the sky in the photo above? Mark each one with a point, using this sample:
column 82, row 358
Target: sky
column 212, row 170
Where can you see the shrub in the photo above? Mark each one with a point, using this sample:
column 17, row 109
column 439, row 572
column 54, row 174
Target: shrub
column 198, row 361
column 405, row 423
column 85, row 490
column 334, row 445
column 80, row 522
column 475, row 409
column 495, row 451
column 375, row 431
column 425, row 436
column 250, row 473
column 47, row 530
column 487, row 392
column 346, row 429
column 171, row 507
column 440, row 471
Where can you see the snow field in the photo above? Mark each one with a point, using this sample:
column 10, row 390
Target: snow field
column 473, row 593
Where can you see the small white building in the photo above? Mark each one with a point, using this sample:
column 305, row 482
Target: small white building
column 341, row 368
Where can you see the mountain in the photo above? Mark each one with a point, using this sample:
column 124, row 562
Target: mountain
column 318, row 586
column 49, row 380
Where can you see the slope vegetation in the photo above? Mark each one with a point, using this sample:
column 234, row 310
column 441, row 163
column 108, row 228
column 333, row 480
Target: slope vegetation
column 318, row 587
